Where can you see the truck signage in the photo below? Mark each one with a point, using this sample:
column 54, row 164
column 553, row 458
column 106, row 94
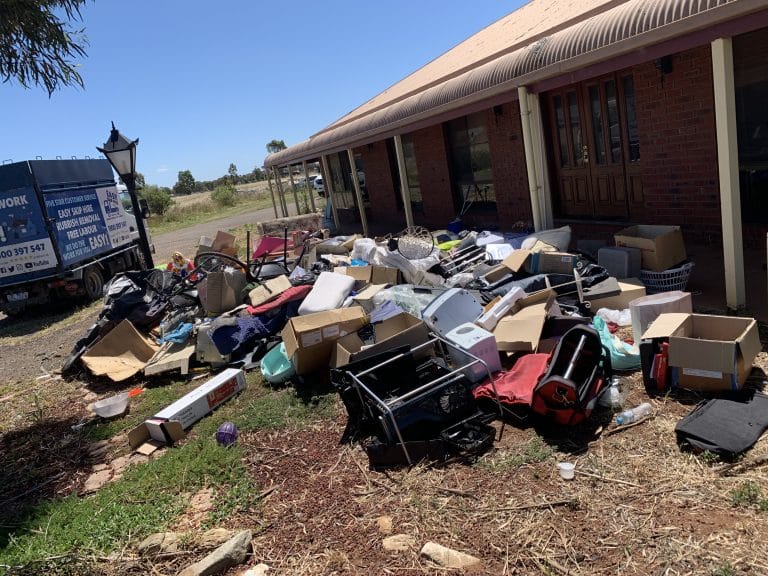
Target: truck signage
column 87, row 222
column 25, row 246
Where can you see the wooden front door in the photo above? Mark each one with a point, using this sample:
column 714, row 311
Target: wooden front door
column 594, row 151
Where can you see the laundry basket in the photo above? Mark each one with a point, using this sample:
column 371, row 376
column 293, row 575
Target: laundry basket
column 667, row 280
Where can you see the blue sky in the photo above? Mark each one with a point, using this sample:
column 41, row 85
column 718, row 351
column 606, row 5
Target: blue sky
column 205, row 84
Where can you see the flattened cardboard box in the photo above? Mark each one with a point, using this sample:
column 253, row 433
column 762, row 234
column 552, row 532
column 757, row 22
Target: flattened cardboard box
column 168, row 425
column 708, row 353
column 309, row 339
column 661, row 247
column 376, row 275
column 631, row 288
column 400, row 330
column 520, row 330
column 123, row 352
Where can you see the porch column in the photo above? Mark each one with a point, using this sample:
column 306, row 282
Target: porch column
column 280, row 191
column 310, row 189
column 728, row 168
column 293, row 188
column 540, row 162
column 358, row 192
column 405, row 191
column 530, row 164
column 329, row 190
column 271, row 191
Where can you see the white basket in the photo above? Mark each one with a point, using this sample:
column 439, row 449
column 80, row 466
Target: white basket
column 667, row 280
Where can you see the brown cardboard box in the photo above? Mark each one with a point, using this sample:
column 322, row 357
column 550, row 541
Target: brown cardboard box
column 309, row 339
column 224, row 243
column 661, row 247
column 366, row 275
column 221, row 291
column 631, row 288
column 709, row 353
column 512, row 263
column 120, row 354
column 520, row 329
column 400, row 330
column 553, row 263
column 268, row 290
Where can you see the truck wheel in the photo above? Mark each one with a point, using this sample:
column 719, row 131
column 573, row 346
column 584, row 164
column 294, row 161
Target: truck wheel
column 93, row 283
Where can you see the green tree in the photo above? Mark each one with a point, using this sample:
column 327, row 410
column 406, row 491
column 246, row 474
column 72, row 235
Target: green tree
column 232, row 171
column 159, row 199
column 258, row 174
column 38, row 44
column 185, row 184
column 225, row 195
column 275, row 146
column 140, row 182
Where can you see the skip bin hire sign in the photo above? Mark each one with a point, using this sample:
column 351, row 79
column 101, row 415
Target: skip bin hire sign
column 87, row 222
column 25, row 246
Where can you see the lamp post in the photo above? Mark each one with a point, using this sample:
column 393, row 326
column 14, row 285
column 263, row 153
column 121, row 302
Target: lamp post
column 121, row 154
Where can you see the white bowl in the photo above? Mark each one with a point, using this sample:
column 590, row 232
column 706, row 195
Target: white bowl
column 112, row 406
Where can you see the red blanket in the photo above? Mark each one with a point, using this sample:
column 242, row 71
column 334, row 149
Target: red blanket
column 515, row 386
column 294, row 293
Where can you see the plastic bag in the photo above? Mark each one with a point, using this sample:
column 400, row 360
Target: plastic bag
column 618, row 317
column 623, row 356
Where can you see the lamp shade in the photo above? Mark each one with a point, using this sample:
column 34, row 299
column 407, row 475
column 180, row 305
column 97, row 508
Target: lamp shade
column 121, row 153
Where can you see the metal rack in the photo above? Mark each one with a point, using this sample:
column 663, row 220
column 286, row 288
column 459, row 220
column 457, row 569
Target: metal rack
column 388, row 408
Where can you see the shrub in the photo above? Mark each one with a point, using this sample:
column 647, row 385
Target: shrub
column 159, row 199
column 225, row 195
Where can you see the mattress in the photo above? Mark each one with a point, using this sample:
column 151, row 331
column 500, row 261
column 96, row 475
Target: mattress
column 328, row 293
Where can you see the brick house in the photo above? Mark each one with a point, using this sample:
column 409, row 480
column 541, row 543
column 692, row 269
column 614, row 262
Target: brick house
column 597, row 114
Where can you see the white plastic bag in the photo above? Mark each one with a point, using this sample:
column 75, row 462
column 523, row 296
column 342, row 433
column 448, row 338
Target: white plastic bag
column 618, row 317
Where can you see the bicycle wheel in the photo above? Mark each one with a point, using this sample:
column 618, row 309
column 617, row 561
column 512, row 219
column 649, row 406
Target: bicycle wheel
column 214, row 261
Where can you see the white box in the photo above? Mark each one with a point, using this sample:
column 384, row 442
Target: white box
column 167, row 425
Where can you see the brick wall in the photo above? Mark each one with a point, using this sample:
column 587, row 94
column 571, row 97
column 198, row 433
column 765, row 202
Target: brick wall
column 434, row 178
column 678, row 150
column 505, row 136
column 384, row 214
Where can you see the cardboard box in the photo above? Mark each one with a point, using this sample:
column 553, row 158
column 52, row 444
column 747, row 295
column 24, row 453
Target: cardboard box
column 376, row 275
column 400, row 330
column 520, row 330
column 121, row 353
column 512, row 263
column 224, row 243
column 708, row 353
column 221, row 291
column 310, row 339
column 661, row 247
column 268, row 290
column 631, row 288
column 168, row 425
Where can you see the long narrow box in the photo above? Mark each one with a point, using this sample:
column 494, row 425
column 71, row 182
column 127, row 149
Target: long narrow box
column 168, row 425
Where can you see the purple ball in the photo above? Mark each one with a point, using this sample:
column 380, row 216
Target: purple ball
column 226, row 434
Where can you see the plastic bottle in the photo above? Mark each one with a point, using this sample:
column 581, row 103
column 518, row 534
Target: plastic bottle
column 634, row 414
column 614, row 396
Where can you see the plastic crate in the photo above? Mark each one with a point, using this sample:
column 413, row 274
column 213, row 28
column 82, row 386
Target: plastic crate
column 668, row 280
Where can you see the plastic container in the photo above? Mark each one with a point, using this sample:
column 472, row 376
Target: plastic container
column 646, row 309
column 634, row 414
column 276, row 367
column 567, row 470
column 613, row 397
column 672, row 279
column 489, row 319
column 112, row 406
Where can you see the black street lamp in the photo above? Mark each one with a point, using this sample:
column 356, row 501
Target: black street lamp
column 121, row 153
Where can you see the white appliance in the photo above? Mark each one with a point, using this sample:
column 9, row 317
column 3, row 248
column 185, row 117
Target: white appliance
column 498, row 310
column 478, row 342
column 452, row 308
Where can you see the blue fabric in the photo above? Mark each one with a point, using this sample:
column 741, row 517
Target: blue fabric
column 623, row 356
column 228, row 338
column 179, row 335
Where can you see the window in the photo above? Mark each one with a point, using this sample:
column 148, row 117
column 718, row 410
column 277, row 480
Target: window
column 412, row 173
column 470, row 155
column 751, row 80
column 631, row 114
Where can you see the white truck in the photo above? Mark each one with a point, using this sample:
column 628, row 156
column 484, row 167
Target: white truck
column 64, row 231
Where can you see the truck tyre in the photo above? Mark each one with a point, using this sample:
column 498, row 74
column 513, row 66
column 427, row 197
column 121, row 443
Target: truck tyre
column 93, row 283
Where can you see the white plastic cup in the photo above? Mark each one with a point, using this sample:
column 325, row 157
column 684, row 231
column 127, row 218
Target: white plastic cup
column 566, row 470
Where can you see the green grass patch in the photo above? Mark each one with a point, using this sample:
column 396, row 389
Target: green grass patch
column 534, row 451
column 149, row 497
column 184, row 216
column 749, row 495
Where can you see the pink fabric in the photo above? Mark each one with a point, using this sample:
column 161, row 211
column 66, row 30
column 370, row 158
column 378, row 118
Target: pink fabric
column 515, row 386
column 268, row 244
column 294, row 293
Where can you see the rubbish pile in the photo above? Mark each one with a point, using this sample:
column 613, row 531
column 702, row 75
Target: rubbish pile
column 428, row 336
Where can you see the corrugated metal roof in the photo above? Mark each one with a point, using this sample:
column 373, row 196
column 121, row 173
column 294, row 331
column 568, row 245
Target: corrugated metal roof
column 622, row 28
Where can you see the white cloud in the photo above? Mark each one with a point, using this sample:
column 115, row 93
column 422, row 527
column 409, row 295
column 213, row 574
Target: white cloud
column 162, row 168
